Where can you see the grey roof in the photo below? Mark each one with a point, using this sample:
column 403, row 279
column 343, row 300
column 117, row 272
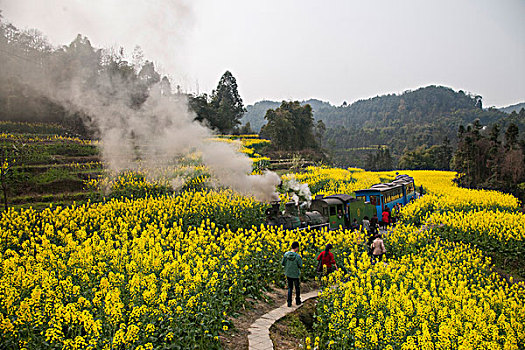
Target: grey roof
column 342, row 196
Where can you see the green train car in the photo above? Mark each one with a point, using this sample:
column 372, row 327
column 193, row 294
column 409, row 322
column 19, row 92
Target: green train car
column 334, row 211
column 293, row 217
column 342, row 209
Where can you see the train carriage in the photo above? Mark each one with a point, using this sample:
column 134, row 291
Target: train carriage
column 331, row 208
column 384, row 195
column 342, row 209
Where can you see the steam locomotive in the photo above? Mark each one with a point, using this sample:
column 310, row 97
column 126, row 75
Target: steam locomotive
column 340, row 210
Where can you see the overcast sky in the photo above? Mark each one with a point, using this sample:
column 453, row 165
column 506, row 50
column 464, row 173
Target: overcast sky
column 298, row 49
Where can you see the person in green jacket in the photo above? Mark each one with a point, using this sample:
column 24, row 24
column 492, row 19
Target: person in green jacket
column 292, row 263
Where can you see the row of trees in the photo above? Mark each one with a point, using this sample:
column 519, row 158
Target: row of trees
column 436, row 157
column 33, row 73
column 485, row 159
column 30, row 63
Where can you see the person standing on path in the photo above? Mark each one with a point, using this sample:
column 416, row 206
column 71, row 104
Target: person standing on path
column 378, row 248
column 292, row 264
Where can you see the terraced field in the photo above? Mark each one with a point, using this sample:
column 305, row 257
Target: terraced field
column 48, row 166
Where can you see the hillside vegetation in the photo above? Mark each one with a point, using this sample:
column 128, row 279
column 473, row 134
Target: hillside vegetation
column 513, row 108
column 424, row 117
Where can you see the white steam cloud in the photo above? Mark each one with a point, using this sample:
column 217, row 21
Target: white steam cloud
column 152, row 134
column 299, row 191
column 159, row 133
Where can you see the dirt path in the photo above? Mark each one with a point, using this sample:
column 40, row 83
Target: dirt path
column 237, row 339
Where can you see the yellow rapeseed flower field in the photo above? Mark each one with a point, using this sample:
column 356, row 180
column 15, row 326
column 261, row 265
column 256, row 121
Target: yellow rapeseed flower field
column 443, row 297
column 133, row 271
column 168, row 271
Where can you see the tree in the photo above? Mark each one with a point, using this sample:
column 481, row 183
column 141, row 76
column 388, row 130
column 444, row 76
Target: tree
column 9, row 154
column 381, row 160
column 511, row 136
column 165, row 86
column 483, row 162
column 148, row 75
column 204, row 112
column 320, row 130
column 290, row 126
column 227, row 105
column 444, row 155
column 479, row 103
column 246, row 129
column 433, row 158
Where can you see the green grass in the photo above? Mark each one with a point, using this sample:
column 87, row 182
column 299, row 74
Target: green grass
column 31, row 128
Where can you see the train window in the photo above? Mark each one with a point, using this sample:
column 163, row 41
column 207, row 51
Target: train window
column 360, row 198
column 332, row 210
column 374, row 200
column 389, row 196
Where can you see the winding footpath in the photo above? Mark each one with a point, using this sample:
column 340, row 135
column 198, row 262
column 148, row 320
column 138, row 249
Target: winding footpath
column 259, row 337
column 259, row 331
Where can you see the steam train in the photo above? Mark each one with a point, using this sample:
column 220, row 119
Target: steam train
column 340, row 210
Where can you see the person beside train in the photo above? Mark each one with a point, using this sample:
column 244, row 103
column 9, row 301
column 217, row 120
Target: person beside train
column 394, row 214
column 354, row 225
column 374, row 224
column 326, row 258
column 366, row 225
column 385, row 218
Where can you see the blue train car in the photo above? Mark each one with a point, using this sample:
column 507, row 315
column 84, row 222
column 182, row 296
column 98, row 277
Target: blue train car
column 409, row 188
column 384, row 195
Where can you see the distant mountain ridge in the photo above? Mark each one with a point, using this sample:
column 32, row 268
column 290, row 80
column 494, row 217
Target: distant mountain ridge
column 422, row 117
column 386, row 108
column 255, row 113
column 513, row 108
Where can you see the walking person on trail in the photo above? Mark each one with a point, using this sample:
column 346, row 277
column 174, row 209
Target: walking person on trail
column 378, row 248
column 355, row 225
column 366, row 225
column 326, row 258
column 374, row 222
column 292, row 264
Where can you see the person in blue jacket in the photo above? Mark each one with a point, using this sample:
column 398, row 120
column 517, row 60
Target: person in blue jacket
column 292, row 263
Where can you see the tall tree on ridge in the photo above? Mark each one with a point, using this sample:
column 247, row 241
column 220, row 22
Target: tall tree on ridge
column 227, row 104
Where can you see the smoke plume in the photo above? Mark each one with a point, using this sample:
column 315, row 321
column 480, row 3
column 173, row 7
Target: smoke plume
column 151, row 135
column 161, row 131
column 300, row 191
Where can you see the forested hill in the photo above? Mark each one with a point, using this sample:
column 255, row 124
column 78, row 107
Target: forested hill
column 255, row 113
column 423, row 117
column 513, row 108
column 422, row 106
column 428, row 105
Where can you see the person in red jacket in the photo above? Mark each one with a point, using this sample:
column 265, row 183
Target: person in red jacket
column 326, row 258
column 386, row 218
